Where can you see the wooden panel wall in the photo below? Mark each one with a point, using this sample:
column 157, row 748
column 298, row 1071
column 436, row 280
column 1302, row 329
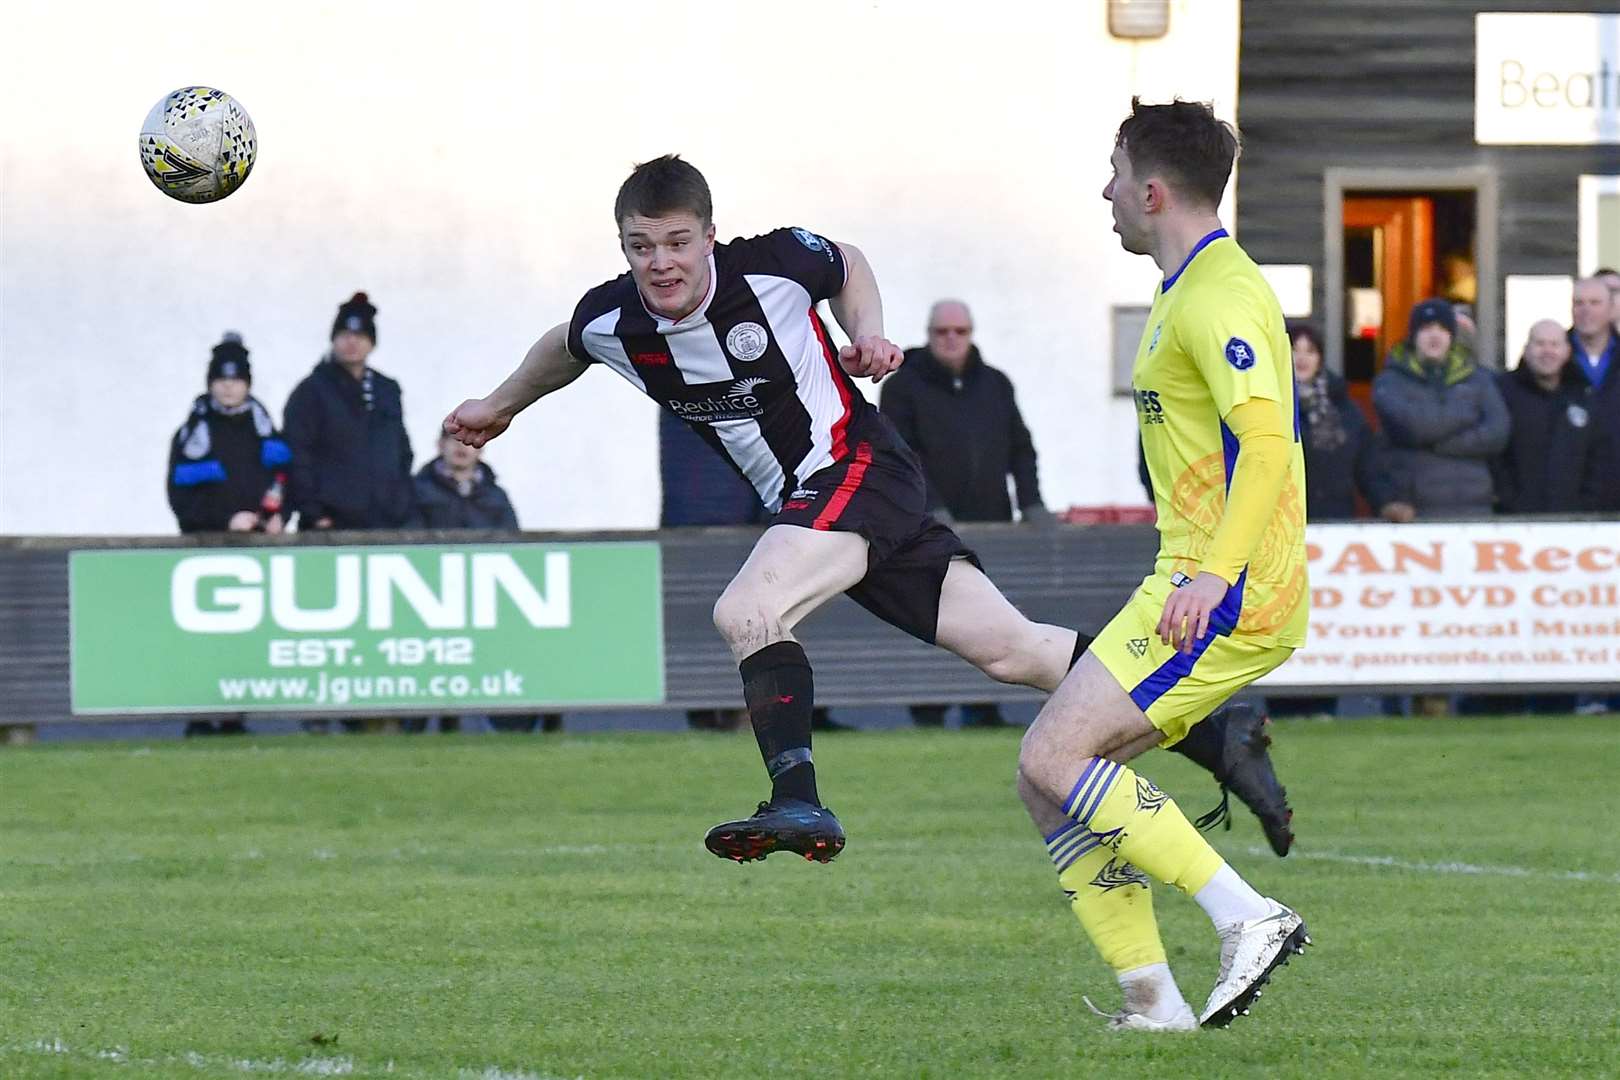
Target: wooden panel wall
column 1387, row 84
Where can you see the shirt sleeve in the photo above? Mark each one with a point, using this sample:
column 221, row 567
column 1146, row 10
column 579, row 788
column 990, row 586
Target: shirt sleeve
column 1229, row 343
column 592, row 306
column 802, row 256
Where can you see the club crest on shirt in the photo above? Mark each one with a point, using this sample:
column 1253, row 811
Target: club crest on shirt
column 1153, row 343
column 747, row 341
column 1577, row 416
column 1239, row 353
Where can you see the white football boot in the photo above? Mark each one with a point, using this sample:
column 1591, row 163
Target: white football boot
column 1135, row 1021
column 1250, row 952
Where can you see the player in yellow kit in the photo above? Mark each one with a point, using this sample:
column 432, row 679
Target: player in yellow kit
column 1226, row 601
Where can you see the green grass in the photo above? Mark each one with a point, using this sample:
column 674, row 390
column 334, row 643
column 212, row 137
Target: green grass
column 542, row 907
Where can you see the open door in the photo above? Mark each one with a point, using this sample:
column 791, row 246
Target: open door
column 1389, row 263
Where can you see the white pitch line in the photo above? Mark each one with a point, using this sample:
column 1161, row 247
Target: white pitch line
column 308, row 1066
column 1390, row 862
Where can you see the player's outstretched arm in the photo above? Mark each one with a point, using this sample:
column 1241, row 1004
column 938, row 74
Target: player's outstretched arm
column 546, row 367
column 858, row 307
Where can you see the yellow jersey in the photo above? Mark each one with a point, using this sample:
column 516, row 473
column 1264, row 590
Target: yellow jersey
column 1214, row 339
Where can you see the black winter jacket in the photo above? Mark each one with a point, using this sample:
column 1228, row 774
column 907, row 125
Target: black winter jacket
column 351, row 462
column 1603, row 403
column 443, row 506
column 968, row 432
column 1553, row 460
column 221, row 463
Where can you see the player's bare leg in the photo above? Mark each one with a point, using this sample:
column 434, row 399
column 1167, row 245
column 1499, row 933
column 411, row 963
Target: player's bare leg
column 981, row 626
column 1072, row 758
column 791, row 572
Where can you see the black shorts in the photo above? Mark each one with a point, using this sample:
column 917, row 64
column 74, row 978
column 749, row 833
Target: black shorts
column 878, row 492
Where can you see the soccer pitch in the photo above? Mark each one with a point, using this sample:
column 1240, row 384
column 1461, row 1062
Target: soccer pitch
column 527, row 907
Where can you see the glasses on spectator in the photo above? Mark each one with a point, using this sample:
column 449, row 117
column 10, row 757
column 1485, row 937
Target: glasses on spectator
column 963, row 330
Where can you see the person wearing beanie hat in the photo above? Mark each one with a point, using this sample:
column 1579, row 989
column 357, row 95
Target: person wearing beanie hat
column 356, row 315
column 1432, row 312
column 346, row 426
column 227, row 463
column 229, row 360
column 1443, row 415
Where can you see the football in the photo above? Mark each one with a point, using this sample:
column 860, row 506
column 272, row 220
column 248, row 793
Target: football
column 198, row 144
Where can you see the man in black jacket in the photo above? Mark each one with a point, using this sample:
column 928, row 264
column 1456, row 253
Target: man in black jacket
column 1553, row 460
column 227, row 463
column 456, row 490
column 1595, row 346
column 959, row 415
column 346, row 425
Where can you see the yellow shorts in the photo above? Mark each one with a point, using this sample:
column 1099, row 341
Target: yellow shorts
column 1177, row 690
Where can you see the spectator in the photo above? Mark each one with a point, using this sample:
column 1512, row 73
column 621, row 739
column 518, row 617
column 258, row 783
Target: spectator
column 1595, row 345
column 1611, row 278
column 700, row 487
column 960, row 416
column 227, row 463
column 1342, row 455
column 456, row 490
column 1443, row 415
column 1552, row 460
column 227, row 468
column 346, row 426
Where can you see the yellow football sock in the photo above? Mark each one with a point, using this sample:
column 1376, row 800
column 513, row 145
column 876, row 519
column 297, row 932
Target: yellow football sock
column 1109, row 896
column 1141, row 824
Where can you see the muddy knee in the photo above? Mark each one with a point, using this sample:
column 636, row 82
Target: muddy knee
column 744, row 624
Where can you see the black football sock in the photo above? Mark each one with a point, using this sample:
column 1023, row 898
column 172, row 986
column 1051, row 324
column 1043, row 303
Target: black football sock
column 1082, row 642
column 780, row 693
column 1205, row 742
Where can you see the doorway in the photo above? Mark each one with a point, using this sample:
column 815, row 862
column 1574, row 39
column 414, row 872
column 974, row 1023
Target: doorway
column 1393, row 238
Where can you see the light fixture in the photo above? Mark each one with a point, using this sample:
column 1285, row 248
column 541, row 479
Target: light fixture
column 1138, row 18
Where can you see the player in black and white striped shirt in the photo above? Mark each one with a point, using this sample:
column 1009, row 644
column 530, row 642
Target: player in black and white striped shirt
column 727, row 337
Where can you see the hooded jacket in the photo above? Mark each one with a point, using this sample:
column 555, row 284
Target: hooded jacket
column 968, row 432
column 1445, row 423
column 221, row 463
column 351, row 457
column 442, row 504
column 1553, row 460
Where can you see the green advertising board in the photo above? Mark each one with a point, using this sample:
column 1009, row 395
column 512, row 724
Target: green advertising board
column 361, row 629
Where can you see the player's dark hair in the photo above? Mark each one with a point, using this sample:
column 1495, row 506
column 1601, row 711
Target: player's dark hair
column 1310, row 332
column 664, row 185
column 1182, row 142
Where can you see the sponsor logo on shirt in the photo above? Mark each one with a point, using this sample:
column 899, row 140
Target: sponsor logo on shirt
column 1148, row 407
column 735, row 402
column 1239, row 353
column 651, row 359
column 804, row 493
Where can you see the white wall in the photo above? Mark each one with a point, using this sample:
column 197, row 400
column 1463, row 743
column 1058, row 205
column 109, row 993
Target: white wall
column 458, row 162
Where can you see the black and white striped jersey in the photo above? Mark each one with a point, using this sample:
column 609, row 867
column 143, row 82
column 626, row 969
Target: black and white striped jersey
column 752, row 368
